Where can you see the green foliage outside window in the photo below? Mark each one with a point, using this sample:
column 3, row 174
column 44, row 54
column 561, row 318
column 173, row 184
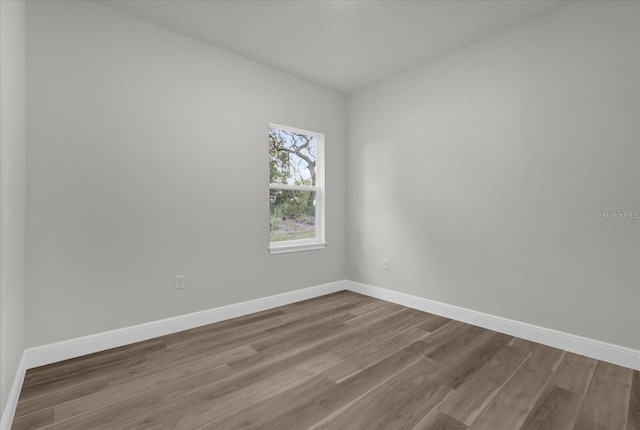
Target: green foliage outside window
column 292, row 161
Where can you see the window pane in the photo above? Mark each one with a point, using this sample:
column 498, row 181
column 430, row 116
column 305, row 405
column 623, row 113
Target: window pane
column 292, row 157
column 292, row 215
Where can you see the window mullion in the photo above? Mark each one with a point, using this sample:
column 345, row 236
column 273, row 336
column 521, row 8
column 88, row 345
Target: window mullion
column 293, row 187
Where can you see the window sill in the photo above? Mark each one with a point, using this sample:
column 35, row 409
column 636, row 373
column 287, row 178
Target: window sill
column 298, row 247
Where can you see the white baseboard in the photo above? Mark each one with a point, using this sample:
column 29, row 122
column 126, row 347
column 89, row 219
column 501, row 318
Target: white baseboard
column 14, row 394
column 54, row 352
column 51, row 353
column 608, row 352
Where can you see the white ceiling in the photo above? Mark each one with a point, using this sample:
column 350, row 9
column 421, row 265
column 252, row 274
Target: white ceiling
column 344, row 45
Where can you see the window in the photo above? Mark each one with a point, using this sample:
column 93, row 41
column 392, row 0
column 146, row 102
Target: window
column 296, row 190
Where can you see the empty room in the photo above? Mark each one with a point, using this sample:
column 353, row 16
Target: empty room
column 320, row 215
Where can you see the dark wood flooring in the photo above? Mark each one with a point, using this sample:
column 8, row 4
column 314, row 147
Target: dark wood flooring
column 341, row 361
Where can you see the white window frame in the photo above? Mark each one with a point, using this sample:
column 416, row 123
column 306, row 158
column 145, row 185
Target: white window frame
column 317, row 242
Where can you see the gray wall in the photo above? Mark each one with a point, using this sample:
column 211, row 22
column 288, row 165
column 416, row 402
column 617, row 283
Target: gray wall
column 12, row 191
column 147, row 158
column 483, row 176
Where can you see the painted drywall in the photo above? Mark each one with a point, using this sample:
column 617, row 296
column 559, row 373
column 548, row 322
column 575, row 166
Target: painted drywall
column 147, row 158
column 483, row 176
column 12, row 191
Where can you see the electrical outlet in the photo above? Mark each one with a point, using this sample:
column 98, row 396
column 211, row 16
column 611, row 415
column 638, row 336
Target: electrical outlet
column 385, row 264
column 180, row 282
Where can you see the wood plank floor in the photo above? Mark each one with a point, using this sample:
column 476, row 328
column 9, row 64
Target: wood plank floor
column 341, row 361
